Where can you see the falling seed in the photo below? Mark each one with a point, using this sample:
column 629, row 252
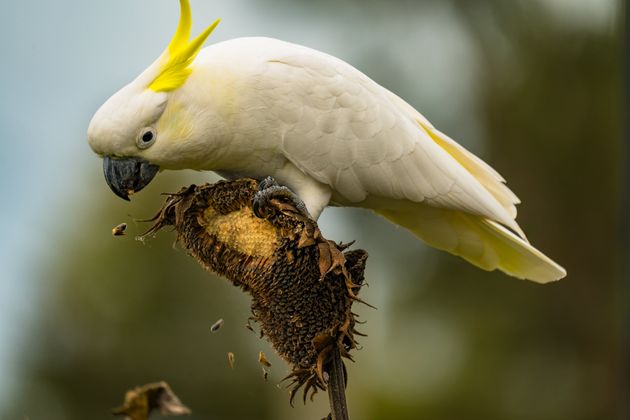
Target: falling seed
column 119, row 230
column 230, row 356
column 262, row 359
column 216, row 326
column 265, row 374
column 249, row 324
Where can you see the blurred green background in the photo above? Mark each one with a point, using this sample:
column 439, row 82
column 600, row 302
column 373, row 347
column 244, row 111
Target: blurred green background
column 533, row 87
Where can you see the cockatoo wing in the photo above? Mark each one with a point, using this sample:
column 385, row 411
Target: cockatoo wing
column 478, row 240
column 348, row 132
column 376, row 151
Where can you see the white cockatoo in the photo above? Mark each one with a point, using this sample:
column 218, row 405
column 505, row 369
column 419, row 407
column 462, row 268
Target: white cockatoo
column 260, row 107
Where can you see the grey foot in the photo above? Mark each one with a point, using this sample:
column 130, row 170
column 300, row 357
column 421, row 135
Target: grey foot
column 268, row 191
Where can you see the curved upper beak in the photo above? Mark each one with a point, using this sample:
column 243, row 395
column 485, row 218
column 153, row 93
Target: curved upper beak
column 128, row 175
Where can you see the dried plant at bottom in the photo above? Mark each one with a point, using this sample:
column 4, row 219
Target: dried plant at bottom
column 141, row 401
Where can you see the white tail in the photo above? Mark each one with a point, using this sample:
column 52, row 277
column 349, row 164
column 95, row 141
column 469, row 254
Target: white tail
column 482, row 242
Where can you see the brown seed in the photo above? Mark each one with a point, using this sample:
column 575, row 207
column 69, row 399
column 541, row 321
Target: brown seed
column 262, row 359
column 230, row 357
column 216, row 326
column 119, row 230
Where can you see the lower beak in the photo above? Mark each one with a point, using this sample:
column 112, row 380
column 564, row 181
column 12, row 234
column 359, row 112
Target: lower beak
column 128, row 175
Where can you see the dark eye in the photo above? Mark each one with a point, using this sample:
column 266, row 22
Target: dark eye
column 146, row 137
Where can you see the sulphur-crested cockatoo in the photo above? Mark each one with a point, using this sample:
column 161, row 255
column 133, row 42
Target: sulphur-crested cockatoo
column 260, row 107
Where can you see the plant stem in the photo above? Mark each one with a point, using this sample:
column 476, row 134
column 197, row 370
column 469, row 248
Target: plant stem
column 337, row 388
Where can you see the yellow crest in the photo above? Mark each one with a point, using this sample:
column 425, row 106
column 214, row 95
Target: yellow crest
column 180, row 53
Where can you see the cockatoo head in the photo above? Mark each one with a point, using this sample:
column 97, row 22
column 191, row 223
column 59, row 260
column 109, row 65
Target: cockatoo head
column 135, row 130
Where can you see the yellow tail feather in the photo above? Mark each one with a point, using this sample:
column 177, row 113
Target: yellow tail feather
column 482, row 242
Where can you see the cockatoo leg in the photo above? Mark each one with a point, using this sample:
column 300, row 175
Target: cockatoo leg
column 268, row 189
column 313, row 193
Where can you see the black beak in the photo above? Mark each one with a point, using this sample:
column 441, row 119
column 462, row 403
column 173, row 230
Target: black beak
column 128, row 175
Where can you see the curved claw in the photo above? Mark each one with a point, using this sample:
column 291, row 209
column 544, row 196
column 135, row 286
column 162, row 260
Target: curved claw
column 256, row 207
column 267, row 183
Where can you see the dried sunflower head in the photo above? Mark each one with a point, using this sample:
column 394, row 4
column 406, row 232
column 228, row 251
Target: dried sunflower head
column 261, row 238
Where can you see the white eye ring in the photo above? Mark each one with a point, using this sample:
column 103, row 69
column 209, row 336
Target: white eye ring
column 146, row 137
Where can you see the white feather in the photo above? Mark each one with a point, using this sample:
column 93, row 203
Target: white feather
column 259, row 106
